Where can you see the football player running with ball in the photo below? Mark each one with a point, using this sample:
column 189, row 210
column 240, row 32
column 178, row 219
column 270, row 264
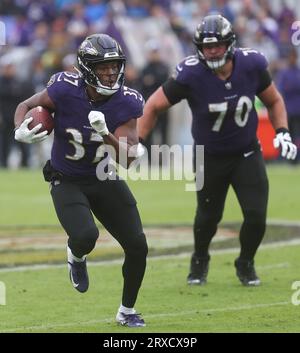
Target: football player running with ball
column 93, row 108
column 220, row 84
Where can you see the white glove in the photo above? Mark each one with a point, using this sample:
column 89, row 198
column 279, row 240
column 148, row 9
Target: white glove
column 137, row 151
column 23, row 134
column 288, row 149
column 97, row 121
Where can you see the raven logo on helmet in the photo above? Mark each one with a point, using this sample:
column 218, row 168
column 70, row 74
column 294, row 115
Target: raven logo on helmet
column 87, row 47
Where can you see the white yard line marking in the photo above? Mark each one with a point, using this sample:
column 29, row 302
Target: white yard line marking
column 271, row 266
column 244, row 307
column 182, row 313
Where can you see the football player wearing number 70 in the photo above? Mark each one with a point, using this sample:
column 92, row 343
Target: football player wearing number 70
column 92, row 108
column 220, row 83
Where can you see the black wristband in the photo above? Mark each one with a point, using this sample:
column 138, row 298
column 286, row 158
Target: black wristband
column 282, row 129
column 142, row 141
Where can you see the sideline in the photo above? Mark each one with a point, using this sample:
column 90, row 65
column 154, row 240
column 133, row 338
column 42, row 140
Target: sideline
column 274, row 245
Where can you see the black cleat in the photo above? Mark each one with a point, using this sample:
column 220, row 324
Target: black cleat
column 79, row 275
column 246, row 272
column 130, row 320
column 198, row 270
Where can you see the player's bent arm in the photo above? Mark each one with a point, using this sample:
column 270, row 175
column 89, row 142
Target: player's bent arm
column 156, row 103
column 42, row 98
column 123, row 140
column 278, row 117
column 273, row 100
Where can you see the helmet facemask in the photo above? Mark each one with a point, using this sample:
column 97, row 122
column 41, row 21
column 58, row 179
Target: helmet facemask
column 216, row 64
column 92, row 79
column 215, row 29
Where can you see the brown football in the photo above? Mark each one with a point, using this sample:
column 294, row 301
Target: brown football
column 43, row 116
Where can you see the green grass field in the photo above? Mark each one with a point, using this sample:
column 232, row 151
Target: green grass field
column 25, row 199
column 43, row 300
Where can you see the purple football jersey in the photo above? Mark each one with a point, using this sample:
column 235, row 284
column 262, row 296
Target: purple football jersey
column 224, row 117
column 76, row 147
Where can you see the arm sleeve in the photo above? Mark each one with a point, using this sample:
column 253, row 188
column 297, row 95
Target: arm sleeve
column 175, row 91
column 259, row 64
column 264, row 81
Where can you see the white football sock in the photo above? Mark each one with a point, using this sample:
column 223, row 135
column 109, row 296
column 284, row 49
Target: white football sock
column 125, row 310
column 72, row 258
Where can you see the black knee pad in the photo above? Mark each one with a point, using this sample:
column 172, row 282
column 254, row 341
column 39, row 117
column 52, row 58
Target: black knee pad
column 90, row 234
column 84, row 242
column 138, row 248
column 255, row 221
column 206, row 221
column 255, row 217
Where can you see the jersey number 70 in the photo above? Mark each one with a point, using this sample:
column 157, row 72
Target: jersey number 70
column 241, row 115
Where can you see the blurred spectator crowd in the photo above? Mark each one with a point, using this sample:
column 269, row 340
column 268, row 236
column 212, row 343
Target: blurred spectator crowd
column 41, row 37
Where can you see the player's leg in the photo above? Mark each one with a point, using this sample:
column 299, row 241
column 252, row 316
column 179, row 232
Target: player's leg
column 210, row 206
column 250, row 183
column 73, row 211
column 120, row 217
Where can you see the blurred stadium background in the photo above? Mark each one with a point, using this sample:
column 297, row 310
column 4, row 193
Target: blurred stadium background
column 42, row 37
column 39, row 38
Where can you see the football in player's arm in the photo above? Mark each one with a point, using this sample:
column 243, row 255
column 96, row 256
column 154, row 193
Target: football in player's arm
column 93, row 108
column 220, row 83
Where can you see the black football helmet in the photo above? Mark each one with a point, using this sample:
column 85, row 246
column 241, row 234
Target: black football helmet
column 215, row 29
column 100, row 48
